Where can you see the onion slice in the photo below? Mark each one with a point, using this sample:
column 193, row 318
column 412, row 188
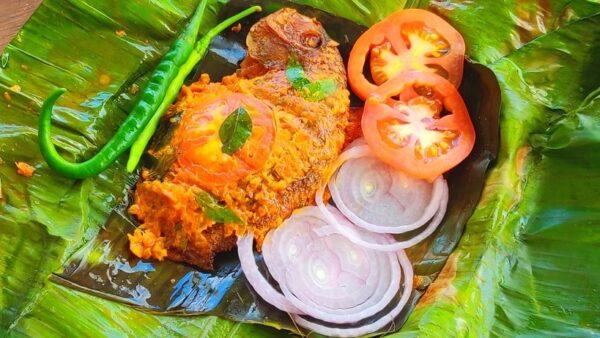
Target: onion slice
column 259, row 283
column 357, row 238
column 378, row 198
column 323, row 275
column 376, row 325
column 430, row 216
column 368, row 280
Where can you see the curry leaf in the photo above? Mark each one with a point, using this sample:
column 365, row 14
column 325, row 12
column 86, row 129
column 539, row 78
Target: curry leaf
column 312, row 91
column 235, row 130
column 295, row 74
column 215, row 211
column 319, row 90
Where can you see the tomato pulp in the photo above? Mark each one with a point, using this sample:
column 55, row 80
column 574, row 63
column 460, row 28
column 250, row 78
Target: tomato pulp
column 424, row 132
column 409, row 39
column 199, row 153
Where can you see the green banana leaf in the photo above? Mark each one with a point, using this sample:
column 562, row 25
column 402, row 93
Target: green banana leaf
column 527, row 263
column 106, row 267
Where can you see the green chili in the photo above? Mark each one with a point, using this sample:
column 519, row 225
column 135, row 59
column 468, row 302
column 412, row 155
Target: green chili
column 150, row 99
column 137, row 150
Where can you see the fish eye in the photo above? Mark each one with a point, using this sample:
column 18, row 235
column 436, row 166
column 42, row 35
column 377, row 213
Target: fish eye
column 312, row 39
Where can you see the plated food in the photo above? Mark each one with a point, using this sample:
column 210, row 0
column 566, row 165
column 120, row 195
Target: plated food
column 251, row 157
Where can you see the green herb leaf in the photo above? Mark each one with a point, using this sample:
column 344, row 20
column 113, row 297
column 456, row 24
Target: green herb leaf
column 295, row 74
column 312, row 91
column 235, row 130
column 4, row 61
column 215, row 211
column 319, row 90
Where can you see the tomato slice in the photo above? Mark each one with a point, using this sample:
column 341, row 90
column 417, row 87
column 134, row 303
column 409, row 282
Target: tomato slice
column 199, row 153
column 423, row 134
column 409, row 39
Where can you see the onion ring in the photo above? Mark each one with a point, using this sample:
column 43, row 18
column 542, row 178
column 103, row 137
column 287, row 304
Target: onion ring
column 404, row 191
column 376, row 325
column 352, row 307
column 259, row 283
column 322, row 274
column 355, row 237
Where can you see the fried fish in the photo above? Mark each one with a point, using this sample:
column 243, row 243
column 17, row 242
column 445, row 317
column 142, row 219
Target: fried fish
column 306, row 138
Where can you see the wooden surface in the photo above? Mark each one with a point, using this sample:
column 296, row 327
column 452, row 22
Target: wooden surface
column 13, row 14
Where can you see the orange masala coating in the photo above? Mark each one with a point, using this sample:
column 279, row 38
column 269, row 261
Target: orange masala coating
column 25, row 169
column 308, row 139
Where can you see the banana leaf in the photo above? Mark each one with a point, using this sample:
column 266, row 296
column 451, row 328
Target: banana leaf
column 527, row 263
column 105, row 266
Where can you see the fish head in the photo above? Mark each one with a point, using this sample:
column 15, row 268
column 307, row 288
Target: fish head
column 287, row 33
